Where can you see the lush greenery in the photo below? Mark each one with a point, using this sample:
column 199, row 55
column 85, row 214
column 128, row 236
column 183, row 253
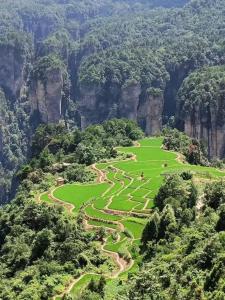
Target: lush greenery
column 103, row 45
column 151, row 210
column 193, row 150
column 135, row 188
column 184, row 247
column 41, row 249
column 203, row 88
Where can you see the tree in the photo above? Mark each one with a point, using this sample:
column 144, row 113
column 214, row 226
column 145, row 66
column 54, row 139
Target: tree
column 41, row 243
column 215, row 194
column 168, row 224
column 151, row 230
column 220, row 226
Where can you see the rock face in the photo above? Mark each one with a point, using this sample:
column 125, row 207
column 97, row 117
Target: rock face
column 150, row 114
column 12, row 66
column 126, row 102
column 129, row 101
column 46, row 97
column 205, row 127
column 97, row 105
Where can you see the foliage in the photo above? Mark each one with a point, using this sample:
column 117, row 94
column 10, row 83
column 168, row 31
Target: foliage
column 185, row 260
column 40, row 247
column 192, row 149
column 205, row 89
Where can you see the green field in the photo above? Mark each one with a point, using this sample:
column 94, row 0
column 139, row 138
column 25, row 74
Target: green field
column 79, row 194
column 131, row 189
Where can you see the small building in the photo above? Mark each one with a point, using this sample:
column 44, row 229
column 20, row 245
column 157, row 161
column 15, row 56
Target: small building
column 60, row 181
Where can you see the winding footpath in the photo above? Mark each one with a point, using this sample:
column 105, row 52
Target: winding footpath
column 122, row 264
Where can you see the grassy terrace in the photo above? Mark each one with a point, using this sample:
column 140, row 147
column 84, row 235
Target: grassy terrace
column 131, row 189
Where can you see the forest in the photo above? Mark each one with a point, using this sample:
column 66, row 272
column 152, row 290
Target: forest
column 83, row 62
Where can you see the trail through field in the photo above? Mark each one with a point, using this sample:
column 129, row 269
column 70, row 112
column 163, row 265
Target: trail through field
column 101, row 176
column 69, row 207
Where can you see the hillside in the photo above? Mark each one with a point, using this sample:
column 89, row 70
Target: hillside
column 106, row 213
column 112, row 150
column 83, row 62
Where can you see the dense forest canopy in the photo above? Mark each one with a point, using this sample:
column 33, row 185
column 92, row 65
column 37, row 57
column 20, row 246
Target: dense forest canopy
column 99, row 50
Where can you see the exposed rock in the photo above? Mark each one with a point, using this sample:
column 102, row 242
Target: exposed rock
column 46, row 96
column 12, row 66
column 129, row 100
column 150, row 114
column 95, row 106
column 205, row 127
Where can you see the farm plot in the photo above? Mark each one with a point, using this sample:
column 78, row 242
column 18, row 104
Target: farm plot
column 79, row 194
column 123, row 202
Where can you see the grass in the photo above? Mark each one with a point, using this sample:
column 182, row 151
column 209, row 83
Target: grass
column 77, row 194
column 134, row 227
column 92, row 212
column 116, row 247
column 102, row 224
column 82, row 283
column 44, row 197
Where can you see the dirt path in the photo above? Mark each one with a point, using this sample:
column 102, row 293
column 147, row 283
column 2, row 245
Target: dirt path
column 200, row 203
column 125, row 213
column 146, row 204
column 69, row 287
column 101, row 176
column 122, row 264
column 68, row 206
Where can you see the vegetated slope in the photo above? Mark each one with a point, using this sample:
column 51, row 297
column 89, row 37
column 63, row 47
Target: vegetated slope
column 43, row 248
column 128, row 199
column 87, row 61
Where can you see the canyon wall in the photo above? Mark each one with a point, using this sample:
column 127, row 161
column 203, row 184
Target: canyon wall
column 126, row 102
column 46, row 97
column 208, row 128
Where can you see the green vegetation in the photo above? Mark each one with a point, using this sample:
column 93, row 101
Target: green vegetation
column 152, row 52
column 189, row 247
column 154, row 179
column 204, row 88
column 165, row 218
column 42, row 248
column 144, row 208
column 79, row 194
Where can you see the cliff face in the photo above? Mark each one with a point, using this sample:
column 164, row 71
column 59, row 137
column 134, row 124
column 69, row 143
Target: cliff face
column 12, row 64
column 205, row 126
column 129, row 101
column 201, row 108
column 46, row 96
column 150, row 114
column 125, row 102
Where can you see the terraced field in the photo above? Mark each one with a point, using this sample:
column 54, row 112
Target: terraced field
column 122, row 200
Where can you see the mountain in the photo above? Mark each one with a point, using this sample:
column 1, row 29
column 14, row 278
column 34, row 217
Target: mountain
column 83, row 62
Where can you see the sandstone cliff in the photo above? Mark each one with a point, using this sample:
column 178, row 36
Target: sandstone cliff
column 46, row 96
column 12, row 64
column 201, row 108
column 95, row 106
column 205, row 127
column 150, row 112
